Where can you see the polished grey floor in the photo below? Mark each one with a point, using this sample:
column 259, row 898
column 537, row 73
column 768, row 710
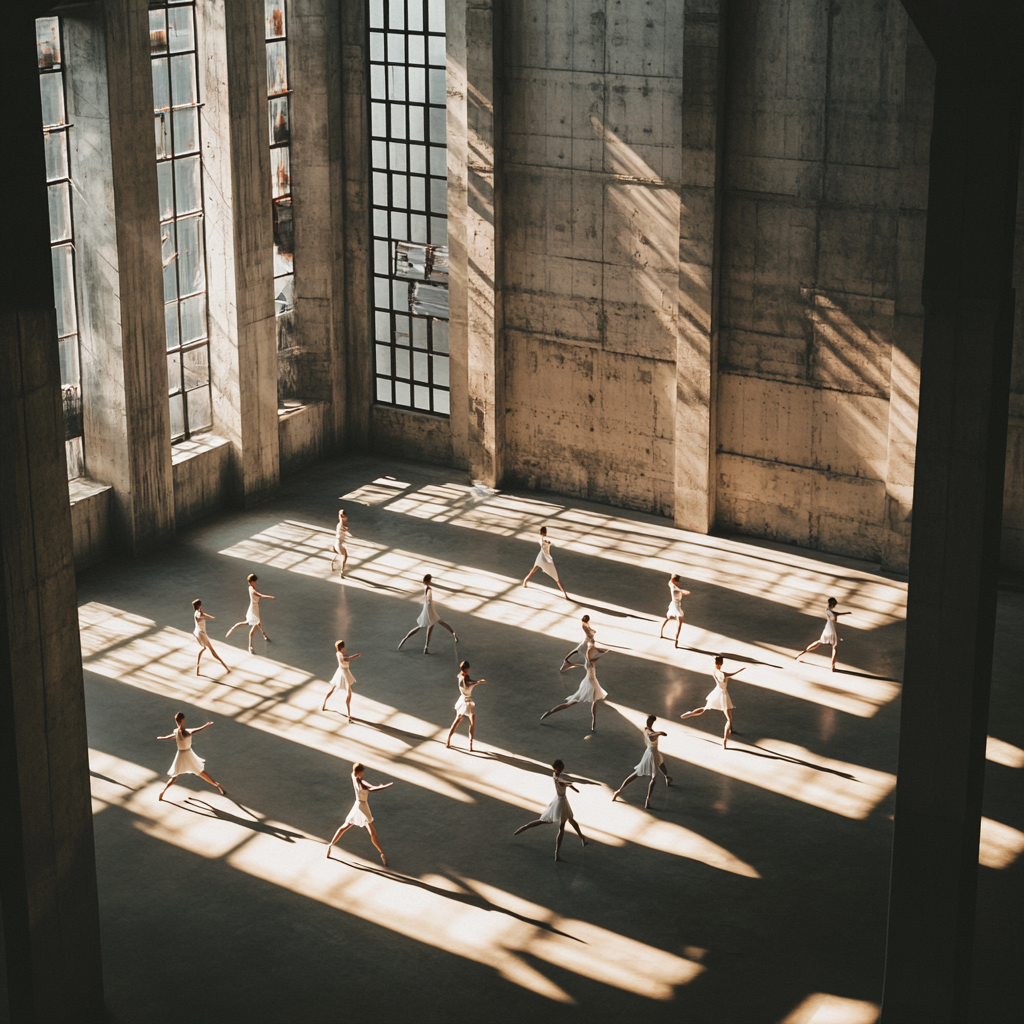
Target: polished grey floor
column 753, row 890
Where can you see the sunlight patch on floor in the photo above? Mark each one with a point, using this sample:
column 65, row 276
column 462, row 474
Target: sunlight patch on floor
column 821, row 1008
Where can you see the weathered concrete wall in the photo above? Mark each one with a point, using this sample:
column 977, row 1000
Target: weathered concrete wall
column 592, row 149
column 304, row 434
column 202, row 476
column 822, row 245
column 412, row 435
column 90, row 521
column 1013, row 492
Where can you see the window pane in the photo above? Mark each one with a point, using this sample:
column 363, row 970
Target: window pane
column 55, row 145
column 157, row 32
column 177, row 418
column 51, row 91
column 169, row 255
column 401, row 393
column 186, row 184
column 376, row 13
column 48, row 41
column 396, row 14
column 436, row 15
column 74, row 454
column 437, row 125
column 64, row 290
column 70, row 373
column 377, row 88
column 174, row 373
column 421, row 397
column 384, row 391
column 396, row 46
column 430, row 300
column 397, row 152
column 438, row 86
column 381, row 260
column 60, row 212
column 380, row 223
column 277, row 68
column 275, row 18
column 415, row 22
column 378, row 120
column 179, row 29
column 418, row 85
column 402, row 362
column 397, row 113
column 383, row 324
column 439, row 162
column 280, row 129
column 166, row 190
column 415, row 124
column 418, row 228
column 196, row 366
column 186, row 130
column 399, row 197
column 284, row 296
column 441, row 370
column 400, row 296
column 396, row 84
column 376, row 46
column 435, row 49
column 284, row 237
column 199, row 411
column 280, row 172
column 171, row 324
column 419, row 333
column 191, row 273
column 381, row 292
column 439, row 230
column 418, row 159
column 417, row 50
column 438, row 195
column 384, row 359
column 439, row 333
column 161, row 88
column 163, row 135
column 183, row 80
column 441, row 404
column 419, row 366
column 193, row 318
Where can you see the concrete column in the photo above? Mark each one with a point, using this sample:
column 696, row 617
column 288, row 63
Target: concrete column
column 700, row 219
column 353, row 380
column 48, row 876
column 239, row 239
column 958, row 490
column 476, row 327
column 311, row 364
column 120, row 289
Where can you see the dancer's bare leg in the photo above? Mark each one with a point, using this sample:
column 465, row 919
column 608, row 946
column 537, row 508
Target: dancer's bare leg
column 472, row 731
column 415, row 629
column 679, row 626
column 593, row 716
column 807, row 650
column 451, row 731
column 212, row 782
column 650, row 790
column 728, row 728
column 567, row 664
column 174, row 779
column 200, row 658
column 327, row 698
column 558, row 840
column 344, row 561
column 376, row 842
column 562, row 589
column 561, row 707
column 695, row 711
column 663, row 770
column 335, row 558
column 529, row 824
column 426, row 646
column 572, row 821
column 529, row 574
column 337, row 835
column 632, row 778
column 233, row 628
column 348, row 703
column 219, row 658
column 661, row 632
column 835, row 654
column 441, row 622
column 251, row 631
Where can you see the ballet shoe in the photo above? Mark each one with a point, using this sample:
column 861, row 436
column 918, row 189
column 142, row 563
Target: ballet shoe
column 545, row 715
column 426, row 650
column 383, row 860
column 251, row 651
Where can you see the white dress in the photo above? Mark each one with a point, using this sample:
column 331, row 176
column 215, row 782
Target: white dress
column 559, row 810
column 360, row 814
column 652, row 756
column 465, row 705
column 343, row 674
column 252, row 616
column 429, row 614
column 341, row 535
column 590, row 689
column 719, row 698
column 544, row 561
column 200, row 630
column 829, row 634
column 185, row 760
column 585, row 644
column 675, row 609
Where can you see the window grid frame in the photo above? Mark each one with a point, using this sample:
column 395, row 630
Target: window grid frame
column 180, row 349
column 72, row 390
column 279, row 201
column 392, row 381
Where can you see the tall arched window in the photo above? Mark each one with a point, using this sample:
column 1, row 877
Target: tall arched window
column 410, row 203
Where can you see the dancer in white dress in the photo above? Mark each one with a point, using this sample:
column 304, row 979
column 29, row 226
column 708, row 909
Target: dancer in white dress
column 199, row 632
column 360, row 815
column 675, row 606
column 718, row 699
column 650, row 764
column 428, row 617
column 580, row 650
column 465, row 705
column 590, row 689
column 545, row 562
column 342, row 674
column 252, row 616
column 828, row 634
column 341, row 535
column 185, row 761
column 558, row 811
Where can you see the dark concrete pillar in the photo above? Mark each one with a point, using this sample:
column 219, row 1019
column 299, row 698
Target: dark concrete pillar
column 958, row 489
column 47, row 863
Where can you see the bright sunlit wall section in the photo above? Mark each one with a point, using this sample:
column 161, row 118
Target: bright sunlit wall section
column 172, row 33
column 279, row 108
column 50, row 55
column 410, row 203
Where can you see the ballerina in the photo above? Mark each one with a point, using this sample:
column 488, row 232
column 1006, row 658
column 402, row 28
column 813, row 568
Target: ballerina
column 342, row 674
column 465, row 704
column 185, row 761
column 252, row 616
column 341, row 535
column 428, row 617
column 583, row 646
column 545, row 562
column 675, row 608
column 650, row 764
column 558, row 810
column 199, row 632
column 590, row 689
column 360, row 815
column 718, row 699
column 828, row 634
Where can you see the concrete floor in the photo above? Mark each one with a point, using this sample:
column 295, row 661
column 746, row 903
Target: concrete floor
column 753, row 891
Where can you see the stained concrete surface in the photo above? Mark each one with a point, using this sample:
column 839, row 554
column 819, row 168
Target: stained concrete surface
column 755, row 887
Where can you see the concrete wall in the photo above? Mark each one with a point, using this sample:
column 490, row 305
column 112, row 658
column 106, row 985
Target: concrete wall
column 90, row 521
column 203, row 477
column 1013, row 494
column 304, row 435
